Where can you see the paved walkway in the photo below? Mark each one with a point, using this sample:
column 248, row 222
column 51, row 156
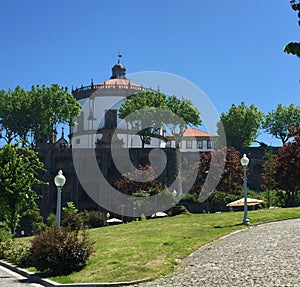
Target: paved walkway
column 264, row 255
column 12, row 279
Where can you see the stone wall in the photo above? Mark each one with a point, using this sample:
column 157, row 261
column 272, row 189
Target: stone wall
column 62, row 158
column 56, row 159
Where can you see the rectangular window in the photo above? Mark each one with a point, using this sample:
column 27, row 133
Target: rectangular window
column 199, row 144
column 111, row 119
column 77, row 141
column 209, row 144
column 188, row 144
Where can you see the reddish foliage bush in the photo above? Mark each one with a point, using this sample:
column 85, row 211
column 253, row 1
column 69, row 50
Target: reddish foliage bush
column 140, row 179
column 60, row 251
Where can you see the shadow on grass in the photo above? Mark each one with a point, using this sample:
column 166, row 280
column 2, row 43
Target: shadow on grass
column 229, row 226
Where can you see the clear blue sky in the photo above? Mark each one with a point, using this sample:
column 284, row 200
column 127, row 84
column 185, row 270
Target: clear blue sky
column 232, row 50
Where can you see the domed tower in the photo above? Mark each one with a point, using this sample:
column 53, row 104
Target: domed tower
column 118, row 71
column 98, row 120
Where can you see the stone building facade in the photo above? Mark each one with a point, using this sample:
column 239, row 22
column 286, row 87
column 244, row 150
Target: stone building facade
column 61, row 157
column 100, row 130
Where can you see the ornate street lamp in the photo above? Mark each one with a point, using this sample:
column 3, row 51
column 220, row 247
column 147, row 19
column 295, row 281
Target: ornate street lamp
column 59, row 181
column 244, row 163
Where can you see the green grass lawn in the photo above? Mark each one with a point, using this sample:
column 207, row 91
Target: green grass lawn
column 152, row 248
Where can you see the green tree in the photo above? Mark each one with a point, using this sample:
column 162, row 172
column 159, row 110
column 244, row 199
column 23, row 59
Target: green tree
column 19, row 169
column 15, row 114
column 51, row 106
column 231, row 180
column 31, row 116
column 288, row 168
column 241, row 125
column 294, row 47
column 277, row 122
column 148, row 112
column 183, row 114
column 282, row 171
column 268, row 175
column 142, row 111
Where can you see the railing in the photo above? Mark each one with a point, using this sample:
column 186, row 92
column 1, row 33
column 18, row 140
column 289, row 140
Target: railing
column 112, row 86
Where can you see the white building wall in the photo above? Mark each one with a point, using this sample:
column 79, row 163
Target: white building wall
column 183, row 145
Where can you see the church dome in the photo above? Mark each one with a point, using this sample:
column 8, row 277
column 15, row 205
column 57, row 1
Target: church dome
column 118, row 71
column 118, row 78
column 118, row 82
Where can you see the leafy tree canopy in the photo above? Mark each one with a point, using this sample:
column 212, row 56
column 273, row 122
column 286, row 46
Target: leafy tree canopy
column 241, row 125
column 142, row 111
column 31, row 116
column 283, row 169
column 183, row 114
column 149, row 112
column 19, row 169
column 294, row 47
column 232, row 178
column 277, row 122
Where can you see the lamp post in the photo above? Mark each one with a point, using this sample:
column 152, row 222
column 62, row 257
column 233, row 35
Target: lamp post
column 244, row 163
column 174, row 193
column 134, row 213
column 122, row 213
column 59, row 181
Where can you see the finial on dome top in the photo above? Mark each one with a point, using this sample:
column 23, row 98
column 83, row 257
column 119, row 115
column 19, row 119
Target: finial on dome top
column 119, row 58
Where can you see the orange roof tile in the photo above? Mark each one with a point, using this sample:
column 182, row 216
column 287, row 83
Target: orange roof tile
column 191, row 132
column 118, row 82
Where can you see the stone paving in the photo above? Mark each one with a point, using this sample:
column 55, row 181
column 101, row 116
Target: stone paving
column 264, row 255
column 12, row 279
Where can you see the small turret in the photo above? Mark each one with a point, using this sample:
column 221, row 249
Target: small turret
column 118, row 70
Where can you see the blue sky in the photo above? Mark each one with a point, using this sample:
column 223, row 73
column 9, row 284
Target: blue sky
column 232, row 50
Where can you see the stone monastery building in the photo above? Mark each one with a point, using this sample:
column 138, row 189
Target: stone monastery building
column 99, row 122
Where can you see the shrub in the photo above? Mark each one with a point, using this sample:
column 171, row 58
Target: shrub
column 5, row 235
column 179, row 209
column 71, row 217
column 190, row 197
column 6, row 239
column 18, row 253
column 60, row 251
column 218, row 196
column 34, row 218
column 12, row 251
column 93, row 219
column 51, row 219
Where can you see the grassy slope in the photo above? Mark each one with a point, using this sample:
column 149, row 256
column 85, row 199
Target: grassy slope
column 151, row 248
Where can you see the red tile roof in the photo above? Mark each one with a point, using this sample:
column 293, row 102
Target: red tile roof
column 191, row 132
column 118, row 82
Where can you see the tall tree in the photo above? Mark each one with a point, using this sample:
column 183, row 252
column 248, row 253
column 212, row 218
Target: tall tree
column 136, row 182
column 269, row 174
column 15, row 114
column 284, row 169
column 294, row 47
column 277, row 122
column 50, row 106
column 232, row 178
column 19, row 170
column 241, row 125
column 183, row 114
column 31, row 116
column 148, row 112
column 143, row 112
